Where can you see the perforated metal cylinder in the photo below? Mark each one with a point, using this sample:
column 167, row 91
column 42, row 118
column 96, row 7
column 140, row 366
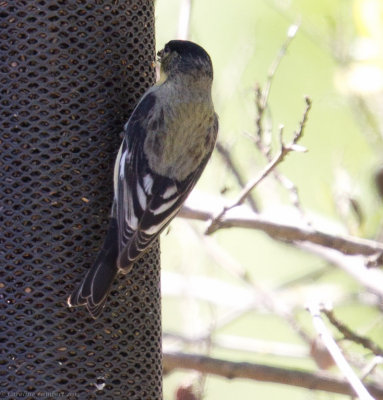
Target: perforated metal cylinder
column 71, row 72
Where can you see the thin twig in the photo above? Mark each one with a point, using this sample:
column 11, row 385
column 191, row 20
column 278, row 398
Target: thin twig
column 337, row 355
column 265, row 297
column 265, row 149
column 262, row 96
column 284, row 150
column 239, row 343
column 292, row 31
column 259, row 116
column 354, row 265
column 350, row 335
column 225, row 154
column 370, row 367
column 263, row 373
column 292, row 189
column 305, row 277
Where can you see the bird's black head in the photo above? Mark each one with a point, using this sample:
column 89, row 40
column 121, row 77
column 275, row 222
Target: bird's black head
column 182, row 56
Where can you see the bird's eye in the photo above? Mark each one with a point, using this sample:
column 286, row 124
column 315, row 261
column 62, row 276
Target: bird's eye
column 162, row 53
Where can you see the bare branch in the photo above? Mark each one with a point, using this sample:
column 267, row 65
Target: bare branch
column 216, row 221
column 299, row 132
column 371, row 278
column 284, row 150
column 263, row 373
column 225, row 154
column 292, row 31
column 265, row 298
column 370, row 367
column 293, row 192
column 337, row 355
column 326, row 245
column 262, row 96
column 350, row 335
column 260, row 112
column 283, row 180
column 349, row 245
column 239, row 343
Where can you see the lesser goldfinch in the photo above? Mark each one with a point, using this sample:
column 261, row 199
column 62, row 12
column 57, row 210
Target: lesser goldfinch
column 166, row 144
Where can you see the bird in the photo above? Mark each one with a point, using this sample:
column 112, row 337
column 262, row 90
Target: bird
column 166, row 144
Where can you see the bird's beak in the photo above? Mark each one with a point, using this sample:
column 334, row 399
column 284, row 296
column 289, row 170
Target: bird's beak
column 159, row 55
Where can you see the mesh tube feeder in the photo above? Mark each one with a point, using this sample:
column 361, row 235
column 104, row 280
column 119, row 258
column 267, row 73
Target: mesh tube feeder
column 71, row 72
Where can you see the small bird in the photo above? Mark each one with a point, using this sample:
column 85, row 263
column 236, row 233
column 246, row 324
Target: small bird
column 166, row 145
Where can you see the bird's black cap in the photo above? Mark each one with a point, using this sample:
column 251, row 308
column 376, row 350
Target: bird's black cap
column 192, row 58
column 185, row 48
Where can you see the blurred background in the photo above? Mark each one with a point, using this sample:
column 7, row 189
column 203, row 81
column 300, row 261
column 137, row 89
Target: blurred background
column 238, row 294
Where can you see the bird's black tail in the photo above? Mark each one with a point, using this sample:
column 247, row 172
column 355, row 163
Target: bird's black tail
column 94, row 289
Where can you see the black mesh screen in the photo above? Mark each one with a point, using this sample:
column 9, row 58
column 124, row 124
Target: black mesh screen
column 71, row 72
